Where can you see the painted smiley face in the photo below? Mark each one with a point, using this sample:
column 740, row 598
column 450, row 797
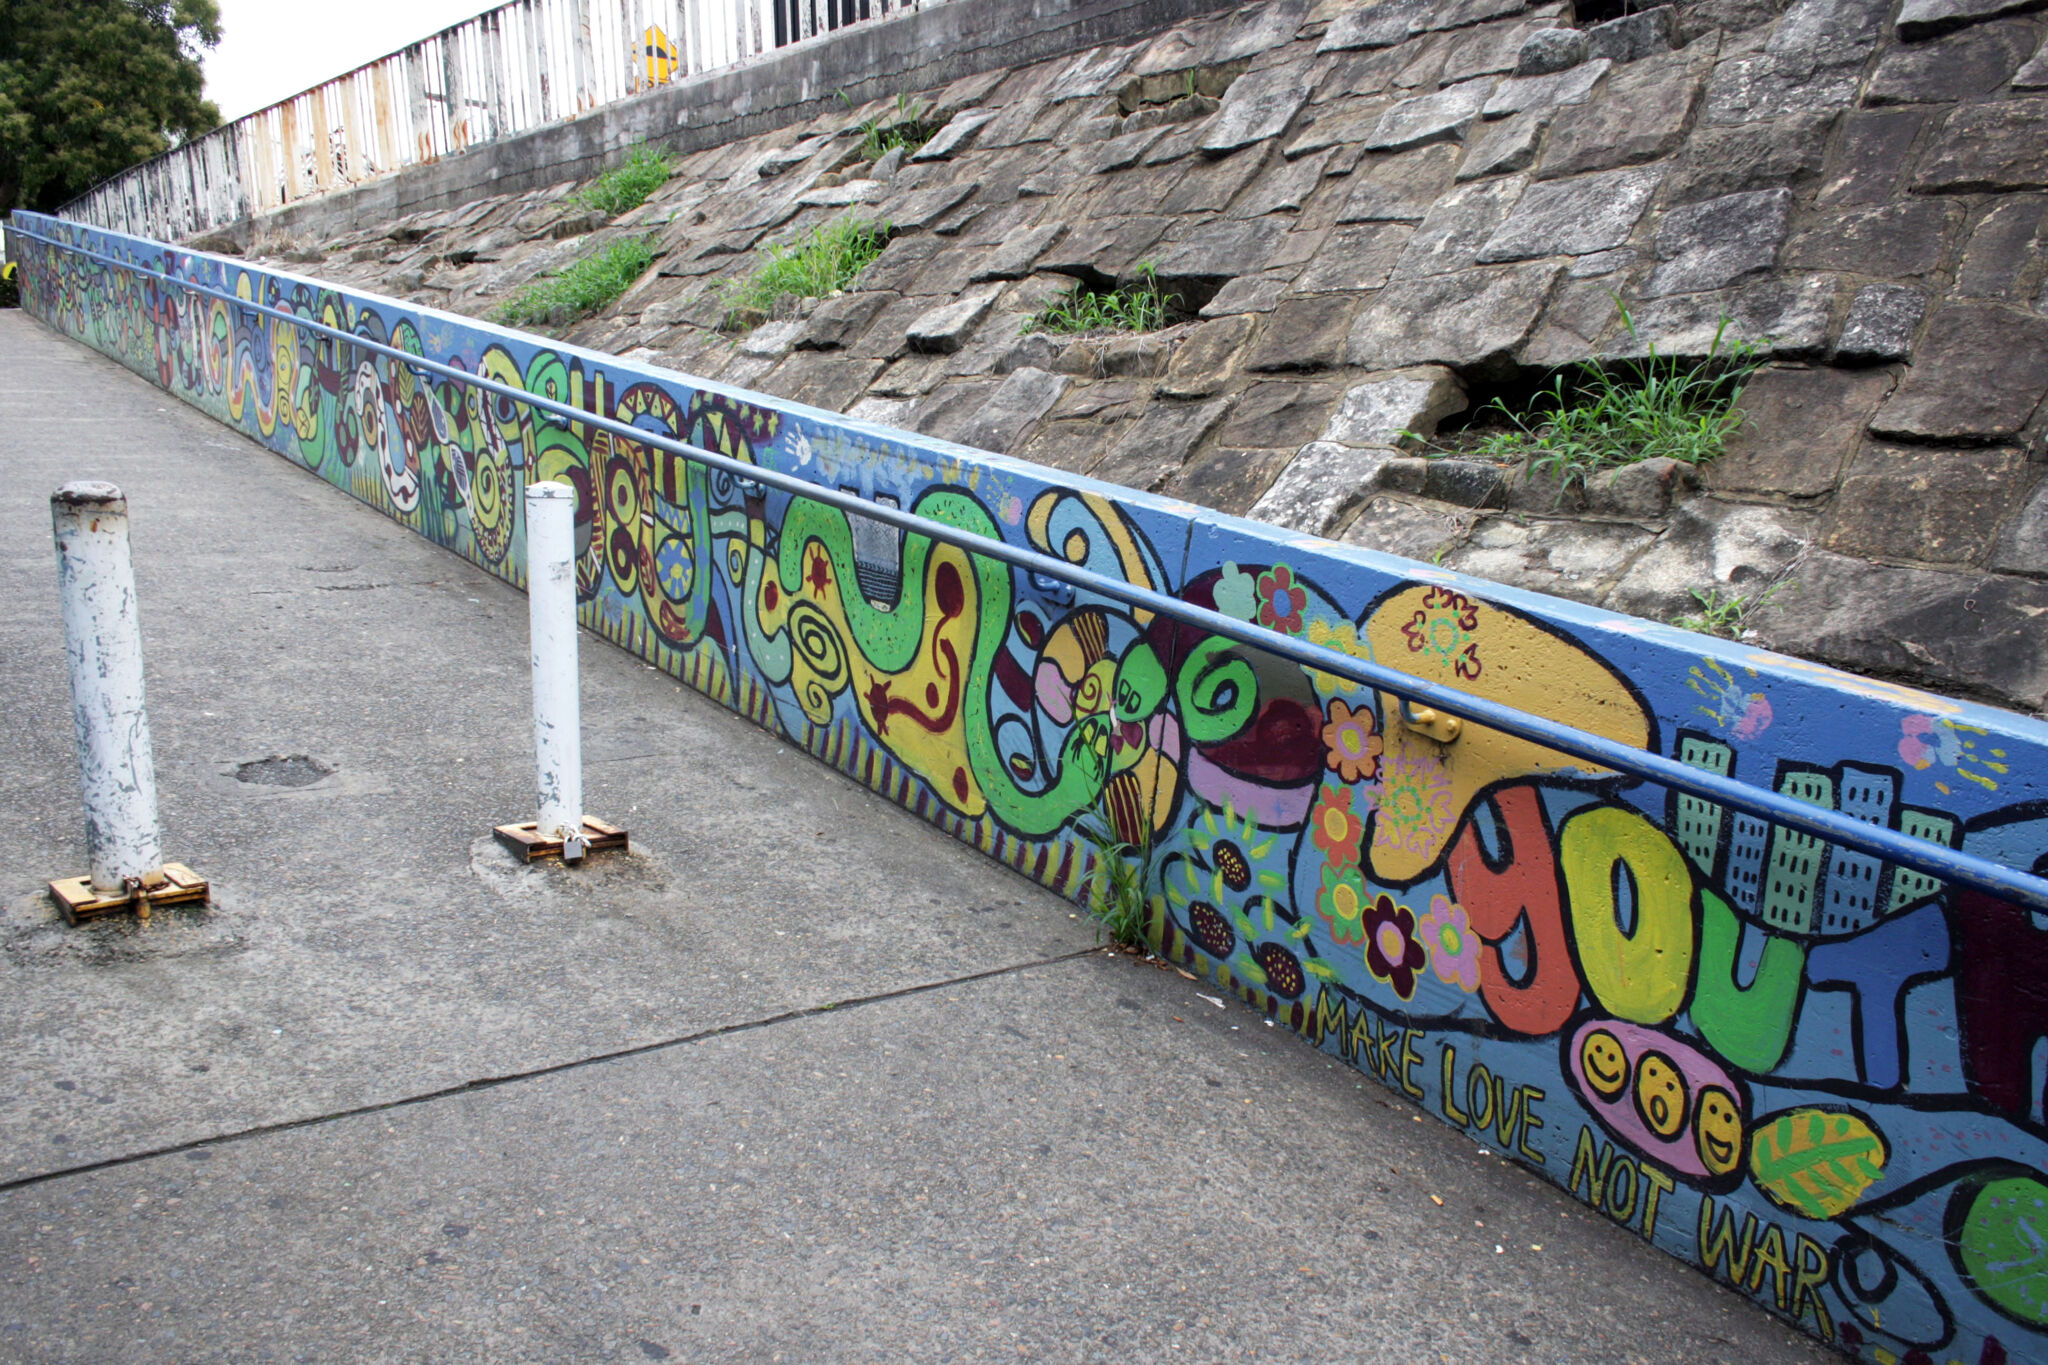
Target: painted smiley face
column 1660, row 1095
column 1605, row 1064
column 1717, row 1130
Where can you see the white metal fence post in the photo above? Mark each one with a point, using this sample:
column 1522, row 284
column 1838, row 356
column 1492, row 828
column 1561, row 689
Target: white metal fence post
column 103, row 646
column 557, row 717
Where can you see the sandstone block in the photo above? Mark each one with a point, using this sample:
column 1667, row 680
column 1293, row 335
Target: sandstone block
column 2033, row 75
column 945, row 329
column 1384, row 23
column 1251, row 294
column 1355, row 258
column 1798, row 427
column 1788, row 317
column 1390, row 410
column 1573, row 217
column 1399, row 188
column 1158, row 443
column 1018, row 402
column 1320, row 487
column 1726, row 548
column 837, row 321
column 1550, row 50
column 1573, row 86
column 1926, row 18
column 1578, row 560
column 1203, row 357
column 1336, row 123
column 1458, row 227
column 2002, row 247
column 1399, row 526
column 1907, row 238
column 823, row 379
column 1304, row 334
column 1504, row 147
column 2024, row 546
column 1642, row 115
column 1633, row 37
column 1883, row 319
column 1873, row 156
column 1963, row 65
column 1018, row 253
column 1644, row 489
column 1716, row 243
column 1279, row 415
column 1465, row 483
column 1936, row 506
column 772, row 338
column 1981, row 372
column 1470, row 318
column 1753, row 156
column 1435, row 117
column 1967, row 631
column 1758, row 86
column 1104, row 250
column 2001, row 146
column 1220, row 251
column 1260, row 105
column 1228, row 480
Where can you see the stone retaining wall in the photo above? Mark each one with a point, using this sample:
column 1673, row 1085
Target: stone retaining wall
column 1397, row 209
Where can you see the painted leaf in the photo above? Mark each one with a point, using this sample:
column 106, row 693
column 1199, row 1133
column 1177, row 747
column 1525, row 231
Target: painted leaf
column 1817, row 1162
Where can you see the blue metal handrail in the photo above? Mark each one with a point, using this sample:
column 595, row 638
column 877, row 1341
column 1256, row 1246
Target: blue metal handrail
column 1878, row 841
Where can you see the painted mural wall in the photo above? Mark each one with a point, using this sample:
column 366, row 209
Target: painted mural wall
column 1815, row 1076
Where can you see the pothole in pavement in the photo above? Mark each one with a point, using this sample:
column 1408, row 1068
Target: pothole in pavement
column 282, row 770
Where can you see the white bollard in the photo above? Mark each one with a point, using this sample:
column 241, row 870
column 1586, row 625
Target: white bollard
column 557, row 708
column 103, row 646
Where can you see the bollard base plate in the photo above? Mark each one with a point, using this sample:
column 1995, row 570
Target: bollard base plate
column 79, row 902
column 525, row 839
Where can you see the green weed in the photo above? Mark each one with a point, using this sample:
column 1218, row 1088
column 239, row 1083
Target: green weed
column 1139, row 307
column 626, row 186
column 1118, row 887
column 1595, row 417
column 822, row 261
column 1723, row 616
column 588, row 285
column 908, row 127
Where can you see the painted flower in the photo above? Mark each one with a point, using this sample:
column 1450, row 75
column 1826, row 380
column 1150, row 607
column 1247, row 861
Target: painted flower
column 1342, row 904
column 1335, row 828
column 1414, row 804
column 1392, row 952
column 1352, row 741
column 1236, row 594
column 1453, row 947
column 1280, row 601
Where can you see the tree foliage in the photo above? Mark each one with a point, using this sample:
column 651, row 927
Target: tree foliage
column 91, row 87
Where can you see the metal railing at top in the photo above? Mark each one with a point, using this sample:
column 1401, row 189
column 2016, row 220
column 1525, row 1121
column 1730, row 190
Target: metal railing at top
column 1878, row 841
column 509, row 70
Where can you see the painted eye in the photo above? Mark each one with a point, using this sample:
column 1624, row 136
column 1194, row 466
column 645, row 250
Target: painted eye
column 1661, row 1101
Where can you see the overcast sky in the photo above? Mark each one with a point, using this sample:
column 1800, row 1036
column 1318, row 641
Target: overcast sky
column 270, row 49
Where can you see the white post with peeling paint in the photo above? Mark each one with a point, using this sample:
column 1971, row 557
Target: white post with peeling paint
column 103, row 646
column 557, row 707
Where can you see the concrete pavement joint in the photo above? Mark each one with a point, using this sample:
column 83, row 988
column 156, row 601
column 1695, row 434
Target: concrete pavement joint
column 472, row 1087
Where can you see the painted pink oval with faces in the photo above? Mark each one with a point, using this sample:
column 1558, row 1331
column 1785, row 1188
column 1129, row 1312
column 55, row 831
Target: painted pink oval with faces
column 1658, row 1094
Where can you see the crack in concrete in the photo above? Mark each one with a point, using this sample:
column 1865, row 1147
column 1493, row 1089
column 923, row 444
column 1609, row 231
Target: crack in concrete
column 484, row 1083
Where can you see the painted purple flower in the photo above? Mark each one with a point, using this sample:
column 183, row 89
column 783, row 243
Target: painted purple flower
column 1453, row 947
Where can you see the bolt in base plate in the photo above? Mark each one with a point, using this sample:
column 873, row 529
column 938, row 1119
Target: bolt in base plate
column 525, row 839
column 177, row 885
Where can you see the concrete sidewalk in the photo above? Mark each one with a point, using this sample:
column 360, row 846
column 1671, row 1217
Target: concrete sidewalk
column 802, row 1079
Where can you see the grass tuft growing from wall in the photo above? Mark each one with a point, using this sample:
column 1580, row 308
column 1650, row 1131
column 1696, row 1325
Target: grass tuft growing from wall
column 1595, row 417
column 588, row 285
column 820, row 262
column 626, row 186
column 1139, row 307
